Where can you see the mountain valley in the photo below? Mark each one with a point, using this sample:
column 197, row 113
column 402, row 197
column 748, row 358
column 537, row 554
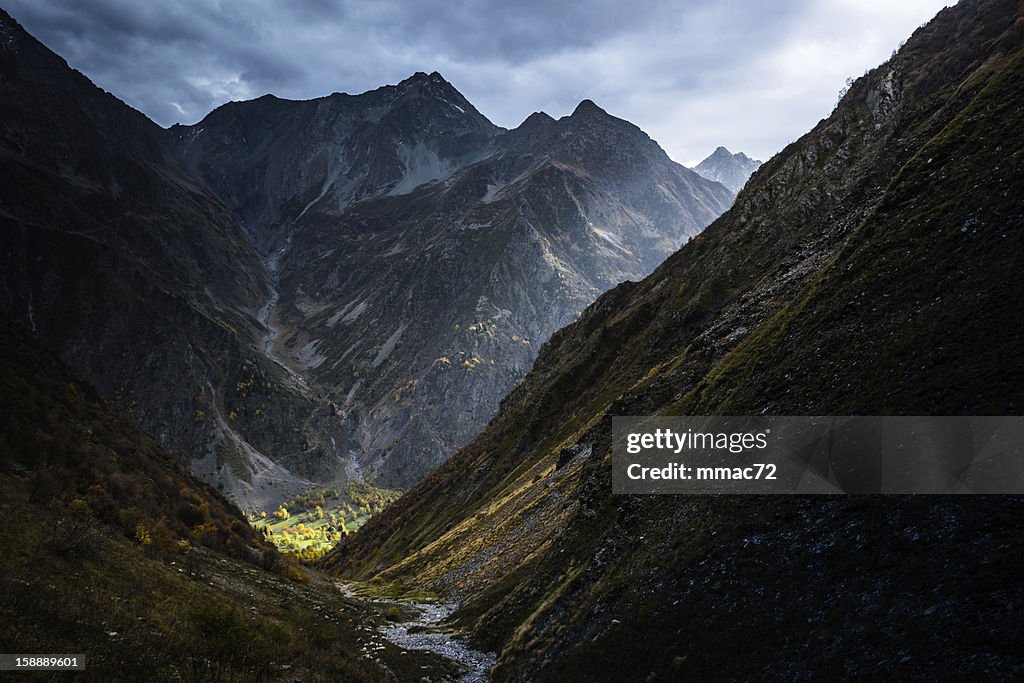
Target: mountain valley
column 318, row 390
column 839, row 283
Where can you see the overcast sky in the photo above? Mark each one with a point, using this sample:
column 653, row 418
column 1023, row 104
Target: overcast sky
column 751, row 76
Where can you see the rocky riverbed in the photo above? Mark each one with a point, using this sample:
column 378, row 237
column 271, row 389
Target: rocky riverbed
column 425, row 631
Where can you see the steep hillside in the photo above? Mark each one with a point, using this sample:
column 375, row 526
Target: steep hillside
column 872, row 267
column 298, row 293
column 67, row 447
column 112, row 550
column 142, row 281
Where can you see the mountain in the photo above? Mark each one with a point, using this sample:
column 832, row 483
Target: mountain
column 116, row 258
column 291, row 293
column 272, row 160
column 62, row 442
column 732, row 170
column 871, row 267
column 418, row 311
column 421, row 255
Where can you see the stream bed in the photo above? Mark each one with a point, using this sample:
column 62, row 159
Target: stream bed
column 426, row 635
column 426, row 632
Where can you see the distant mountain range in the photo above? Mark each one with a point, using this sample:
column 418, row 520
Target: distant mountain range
column 296, row 292
column 732, row 170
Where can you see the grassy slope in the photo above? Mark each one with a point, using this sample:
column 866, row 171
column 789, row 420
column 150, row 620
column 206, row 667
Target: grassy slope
column 675, row 324
column 916, row 314
column 111, row 550
column 774, row 288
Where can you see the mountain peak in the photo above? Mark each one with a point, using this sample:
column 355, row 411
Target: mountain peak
column 425, row 78
column 432, row 90
column 433, row 86
column 588, row 107
column 732, row 170
column 538, row 118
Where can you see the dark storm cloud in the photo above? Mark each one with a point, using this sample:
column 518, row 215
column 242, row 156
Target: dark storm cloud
column 692, row 74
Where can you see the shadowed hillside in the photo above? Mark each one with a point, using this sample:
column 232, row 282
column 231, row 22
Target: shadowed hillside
column 112, row 550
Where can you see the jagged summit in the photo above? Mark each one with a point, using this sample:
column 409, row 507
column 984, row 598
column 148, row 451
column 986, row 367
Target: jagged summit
column 431, row 87
column 732, row 170
column 419, row 76
column 433, row 81
column 587, row 107
column 540, row 117
column 724, row 153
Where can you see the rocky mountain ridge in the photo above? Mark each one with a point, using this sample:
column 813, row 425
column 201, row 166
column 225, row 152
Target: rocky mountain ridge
column 298, row 292
column 403, row 213
column 447, row 292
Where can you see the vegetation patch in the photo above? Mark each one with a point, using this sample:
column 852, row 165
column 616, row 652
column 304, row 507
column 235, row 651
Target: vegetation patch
column 313, row 522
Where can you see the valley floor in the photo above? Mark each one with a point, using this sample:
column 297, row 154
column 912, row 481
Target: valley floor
column 197, row 617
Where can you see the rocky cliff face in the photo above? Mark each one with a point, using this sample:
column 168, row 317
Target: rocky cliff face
column 298, row 292
column 272, row 161
column 869, row 268
column 732, row 170
column 420, row 255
